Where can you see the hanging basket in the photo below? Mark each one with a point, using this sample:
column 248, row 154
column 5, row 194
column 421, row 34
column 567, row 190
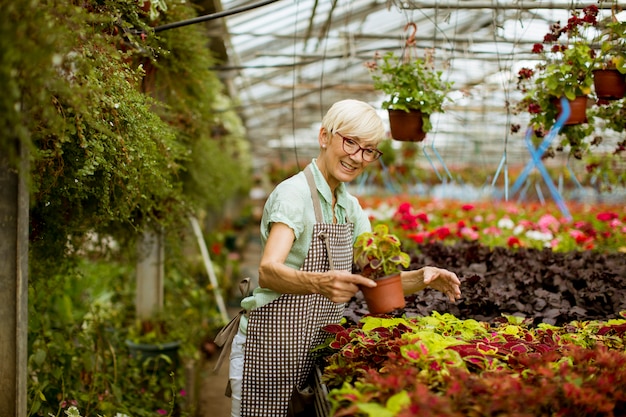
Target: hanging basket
column 609, row 84
column 578, row 110
column 405, row 126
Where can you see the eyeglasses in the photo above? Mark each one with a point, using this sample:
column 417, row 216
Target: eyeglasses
column 351, row 147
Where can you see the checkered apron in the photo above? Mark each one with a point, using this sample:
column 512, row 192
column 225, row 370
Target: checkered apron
column 282, row 333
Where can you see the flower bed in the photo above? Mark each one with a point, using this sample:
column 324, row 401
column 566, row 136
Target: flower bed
column 418, row 220
column 540, row 328
column 439, row 365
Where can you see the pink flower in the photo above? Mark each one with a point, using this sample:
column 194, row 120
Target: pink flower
column 161, row 411
column 579, row 236
column 548, row 222
column 469, row 233
column 492, row 230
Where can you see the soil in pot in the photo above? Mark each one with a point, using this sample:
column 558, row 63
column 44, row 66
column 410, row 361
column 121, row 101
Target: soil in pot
column 386, row 297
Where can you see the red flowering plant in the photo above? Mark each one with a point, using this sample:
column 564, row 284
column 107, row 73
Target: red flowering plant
column 612, row 42
column 419, row 221
column 564, row 70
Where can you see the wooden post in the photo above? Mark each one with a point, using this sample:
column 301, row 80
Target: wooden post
column 14, row 201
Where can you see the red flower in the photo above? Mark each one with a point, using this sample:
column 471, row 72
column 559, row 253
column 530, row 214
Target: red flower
column 423, row 217
column 441, row 232
column 417, row 237
column 513, row 242
column 216, row 248
column 534, row 108
column 467, row 207
column 525, row 73
column 607, row 216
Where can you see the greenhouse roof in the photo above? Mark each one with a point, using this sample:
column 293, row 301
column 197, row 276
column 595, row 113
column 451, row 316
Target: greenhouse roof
column 290, row 60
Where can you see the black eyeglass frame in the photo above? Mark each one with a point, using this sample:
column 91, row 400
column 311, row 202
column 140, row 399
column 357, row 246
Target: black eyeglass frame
column 376, row 152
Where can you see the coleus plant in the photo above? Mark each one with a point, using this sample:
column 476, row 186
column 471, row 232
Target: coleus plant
column 442, row 366
column 378, row 253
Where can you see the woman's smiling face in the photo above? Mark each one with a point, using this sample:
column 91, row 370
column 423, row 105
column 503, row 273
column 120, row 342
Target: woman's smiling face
column 335, row 163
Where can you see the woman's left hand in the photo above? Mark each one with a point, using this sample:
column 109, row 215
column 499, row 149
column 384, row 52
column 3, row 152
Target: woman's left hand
column 443, row 280
column 429, row 276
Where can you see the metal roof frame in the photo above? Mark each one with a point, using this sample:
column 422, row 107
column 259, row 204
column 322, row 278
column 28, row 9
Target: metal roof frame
column 291, row 59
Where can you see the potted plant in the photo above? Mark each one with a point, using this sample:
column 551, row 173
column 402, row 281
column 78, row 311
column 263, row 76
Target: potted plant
column 565, row 70
column 609, row 74
column 378, row 255
column 157, row 340
column 414, row 89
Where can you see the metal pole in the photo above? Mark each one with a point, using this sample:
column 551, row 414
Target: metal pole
column 213, row 16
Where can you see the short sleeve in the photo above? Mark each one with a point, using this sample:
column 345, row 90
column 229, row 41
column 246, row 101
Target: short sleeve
column 358, row 216
column 287, row 204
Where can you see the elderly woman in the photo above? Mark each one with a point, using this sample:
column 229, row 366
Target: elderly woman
column 309, row 224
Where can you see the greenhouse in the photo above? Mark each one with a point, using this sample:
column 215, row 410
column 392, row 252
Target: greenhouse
column 199, row 199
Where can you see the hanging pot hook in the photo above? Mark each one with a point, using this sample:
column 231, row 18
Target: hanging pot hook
column 411, row 39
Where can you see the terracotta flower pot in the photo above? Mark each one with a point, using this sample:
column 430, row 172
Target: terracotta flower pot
column 609, row 84
column 386, row 296
column 578, row 110
column 406, row 126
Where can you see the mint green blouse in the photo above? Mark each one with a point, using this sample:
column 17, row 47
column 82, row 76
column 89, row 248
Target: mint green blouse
column 290, row 203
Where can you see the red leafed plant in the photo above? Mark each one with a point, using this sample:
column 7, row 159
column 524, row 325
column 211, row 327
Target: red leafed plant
column 378, row 253
column 443, row 366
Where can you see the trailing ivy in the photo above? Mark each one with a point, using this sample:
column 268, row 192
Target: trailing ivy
column 126, row 130
column 129, row 129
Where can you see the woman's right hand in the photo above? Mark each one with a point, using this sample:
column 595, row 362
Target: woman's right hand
column 341, row 286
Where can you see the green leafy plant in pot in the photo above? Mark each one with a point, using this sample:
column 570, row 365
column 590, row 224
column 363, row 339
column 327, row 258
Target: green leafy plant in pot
column 378, row 255
column 609, row 73
column 414, row 89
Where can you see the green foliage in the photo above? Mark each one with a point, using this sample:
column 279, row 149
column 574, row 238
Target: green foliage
column 442, row 366
column 30, row 50
column 106, row 156
column 127, row 130
column 378, row 253
column 612, row 40
column 77, row 351
column 410, row 84
column 219, row 163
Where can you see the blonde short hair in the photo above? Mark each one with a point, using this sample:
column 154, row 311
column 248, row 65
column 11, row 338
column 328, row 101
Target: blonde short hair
column 355, row 118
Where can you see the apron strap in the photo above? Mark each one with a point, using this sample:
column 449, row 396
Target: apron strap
column 224, row 338
column 317, row 206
